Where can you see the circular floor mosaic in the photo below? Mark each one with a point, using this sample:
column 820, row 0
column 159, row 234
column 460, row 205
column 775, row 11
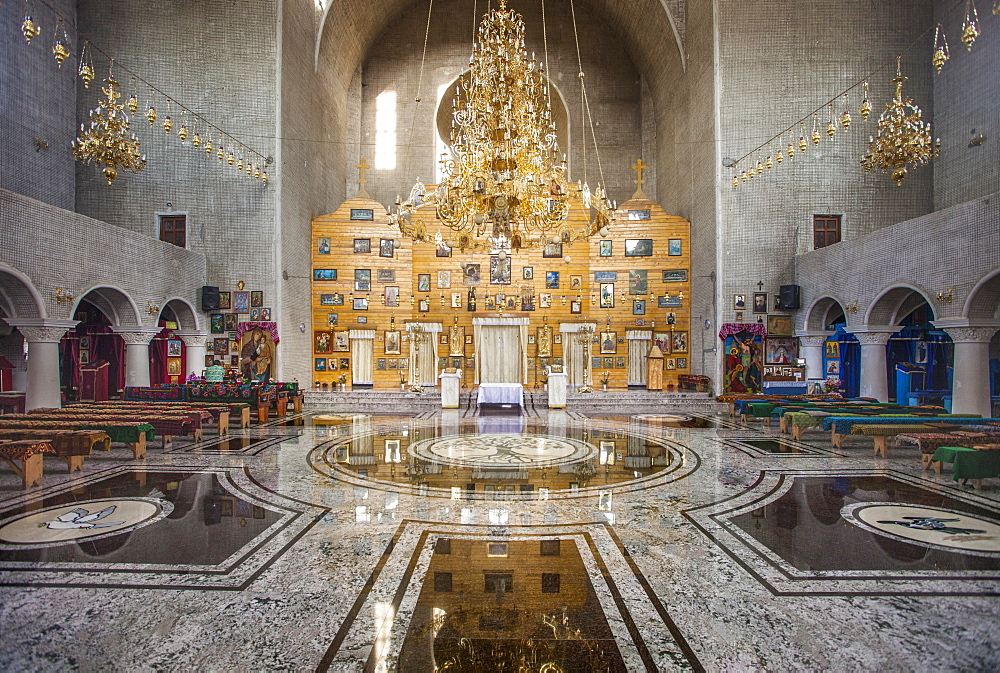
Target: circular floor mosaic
column 926, row 526
column 502, row 450
column 88, row 519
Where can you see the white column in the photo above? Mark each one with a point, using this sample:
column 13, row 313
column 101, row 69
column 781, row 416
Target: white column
column 43, row 338
column 811, row 348
column 196, row 349
column 874, row 382
column 971, row 376
column 136, row 354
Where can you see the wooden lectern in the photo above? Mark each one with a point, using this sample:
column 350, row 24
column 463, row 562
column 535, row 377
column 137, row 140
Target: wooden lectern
column 94, row 382
column 654, row 368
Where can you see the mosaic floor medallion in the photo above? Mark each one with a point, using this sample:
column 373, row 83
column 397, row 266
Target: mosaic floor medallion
column 926, row 526
column 503, row 450
column 88, row 519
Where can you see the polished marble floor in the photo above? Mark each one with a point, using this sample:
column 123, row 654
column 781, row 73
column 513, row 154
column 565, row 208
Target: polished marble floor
column 658, row 539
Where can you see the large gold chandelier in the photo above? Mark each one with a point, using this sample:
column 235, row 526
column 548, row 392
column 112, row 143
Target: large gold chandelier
column 506, row 186
column 107, row 141
column 903, row 138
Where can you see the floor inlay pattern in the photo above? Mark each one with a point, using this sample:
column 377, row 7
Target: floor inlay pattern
column 807, row 532
column 158, row 522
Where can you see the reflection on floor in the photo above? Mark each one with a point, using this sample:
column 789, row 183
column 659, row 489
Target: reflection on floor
column 497, row 605
column 651, row 539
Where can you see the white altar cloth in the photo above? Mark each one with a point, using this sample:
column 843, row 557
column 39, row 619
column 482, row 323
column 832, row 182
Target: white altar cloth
column 500, row 393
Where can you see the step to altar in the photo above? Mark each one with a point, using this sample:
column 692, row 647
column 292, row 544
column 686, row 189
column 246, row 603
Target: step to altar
column 371, row 399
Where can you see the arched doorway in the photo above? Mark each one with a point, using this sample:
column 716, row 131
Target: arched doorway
column 18, row 299
column 93, row 341
column 169, row 359
column 918, row 357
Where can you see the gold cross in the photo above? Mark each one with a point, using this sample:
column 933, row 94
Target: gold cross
column 639, row 166
column 362, row 181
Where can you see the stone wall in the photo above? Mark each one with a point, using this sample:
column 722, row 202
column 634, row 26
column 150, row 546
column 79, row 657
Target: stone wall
column 37, row 102
column 957, row 247
column 967, row 104
column 222, row 67
column 53, row 247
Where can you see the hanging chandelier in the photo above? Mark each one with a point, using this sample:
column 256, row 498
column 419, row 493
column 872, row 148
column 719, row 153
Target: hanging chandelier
column 903, row 138
column 107, row 141
column 505, row 186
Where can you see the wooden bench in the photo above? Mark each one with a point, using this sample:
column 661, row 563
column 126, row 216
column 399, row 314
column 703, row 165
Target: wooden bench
column 29, row 454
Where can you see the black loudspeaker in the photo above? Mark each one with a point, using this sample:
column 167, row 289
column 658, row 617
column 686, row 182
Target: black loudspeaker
column 788, row 297
column 209, row 298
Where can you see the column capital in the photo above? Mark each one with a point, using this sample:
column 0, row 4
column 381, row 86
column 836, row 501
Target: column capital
column 972, row 333
column 42, row 330
column 193, row 338
column 813, row 338
column 135, row 336
column 873, row 338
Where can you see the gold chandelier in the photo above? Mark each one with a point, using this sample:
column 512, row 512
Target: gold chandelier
column 903, row 138
column 107, row 141
column 506, row 186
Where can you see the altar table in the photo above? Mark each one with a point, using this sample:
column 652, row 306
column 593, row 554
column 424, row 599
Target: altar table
column 500, row 393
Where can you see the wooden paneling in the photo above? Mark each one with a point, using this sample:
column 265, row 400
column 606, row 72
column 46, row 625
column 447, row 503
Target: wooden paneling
column 579, row 260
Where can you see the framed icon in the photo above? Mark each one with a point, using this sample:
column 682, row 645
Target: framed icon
column 675, row 275
column 675, row 247
column 605, row 248
column 386, row 248
column 471, row 275
column 760, row 302
column 323, row 246
column 231, row 320
column 360, row 304
column 241, row 302
column 342, row 342
column 444, row 279
column 423, row 282
column 392, row 342
column 225, row 300
column 392, row 295
column 362, row 245
column 638, row 281
column 552, row 280
column 256, row 298
column 638, row 247
column 739, row 302
column 324, row 274
column 386, row 275
column 678, row 342
column 528, row 272
column 607, row 295
column 609, row 342
column 638, row 307
column 552, row 250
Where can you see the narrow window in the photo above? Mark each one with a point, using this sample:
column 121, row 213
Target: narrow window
column 385, row 130
column 826, row 230
column 173, row 229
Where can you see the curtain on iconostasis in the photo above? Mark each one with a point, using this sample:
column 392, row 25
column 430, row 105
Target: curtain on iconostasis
column 576, row 357
column 363, row 356
column 638, row 347
column 501, row 350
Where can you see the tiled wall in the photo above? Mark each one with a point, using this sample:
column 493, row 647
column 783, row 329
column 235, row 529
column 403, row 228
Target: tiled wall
column 967, row 104
column 37, row 102
column 952, row 248
column 59, row 248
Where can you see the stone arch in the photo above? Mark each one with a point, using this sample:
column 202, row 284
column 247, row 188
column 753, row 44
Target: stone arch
column 187, row 317
column 115, row 303
column 18, row 295
column 817, row 316
column 983, row 302
column 895, row 303
column 649, row 28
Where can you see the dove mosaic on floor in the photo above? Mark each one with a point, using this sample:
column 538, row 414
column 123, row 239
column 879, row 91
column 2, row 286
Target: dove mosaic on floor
column 658, row 539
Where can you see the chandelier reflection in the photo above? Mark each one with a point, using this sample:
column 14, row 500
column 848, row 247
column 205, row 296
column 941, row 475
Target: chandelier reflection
column 903, row 138
column 107, row 141
column 505, row 186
